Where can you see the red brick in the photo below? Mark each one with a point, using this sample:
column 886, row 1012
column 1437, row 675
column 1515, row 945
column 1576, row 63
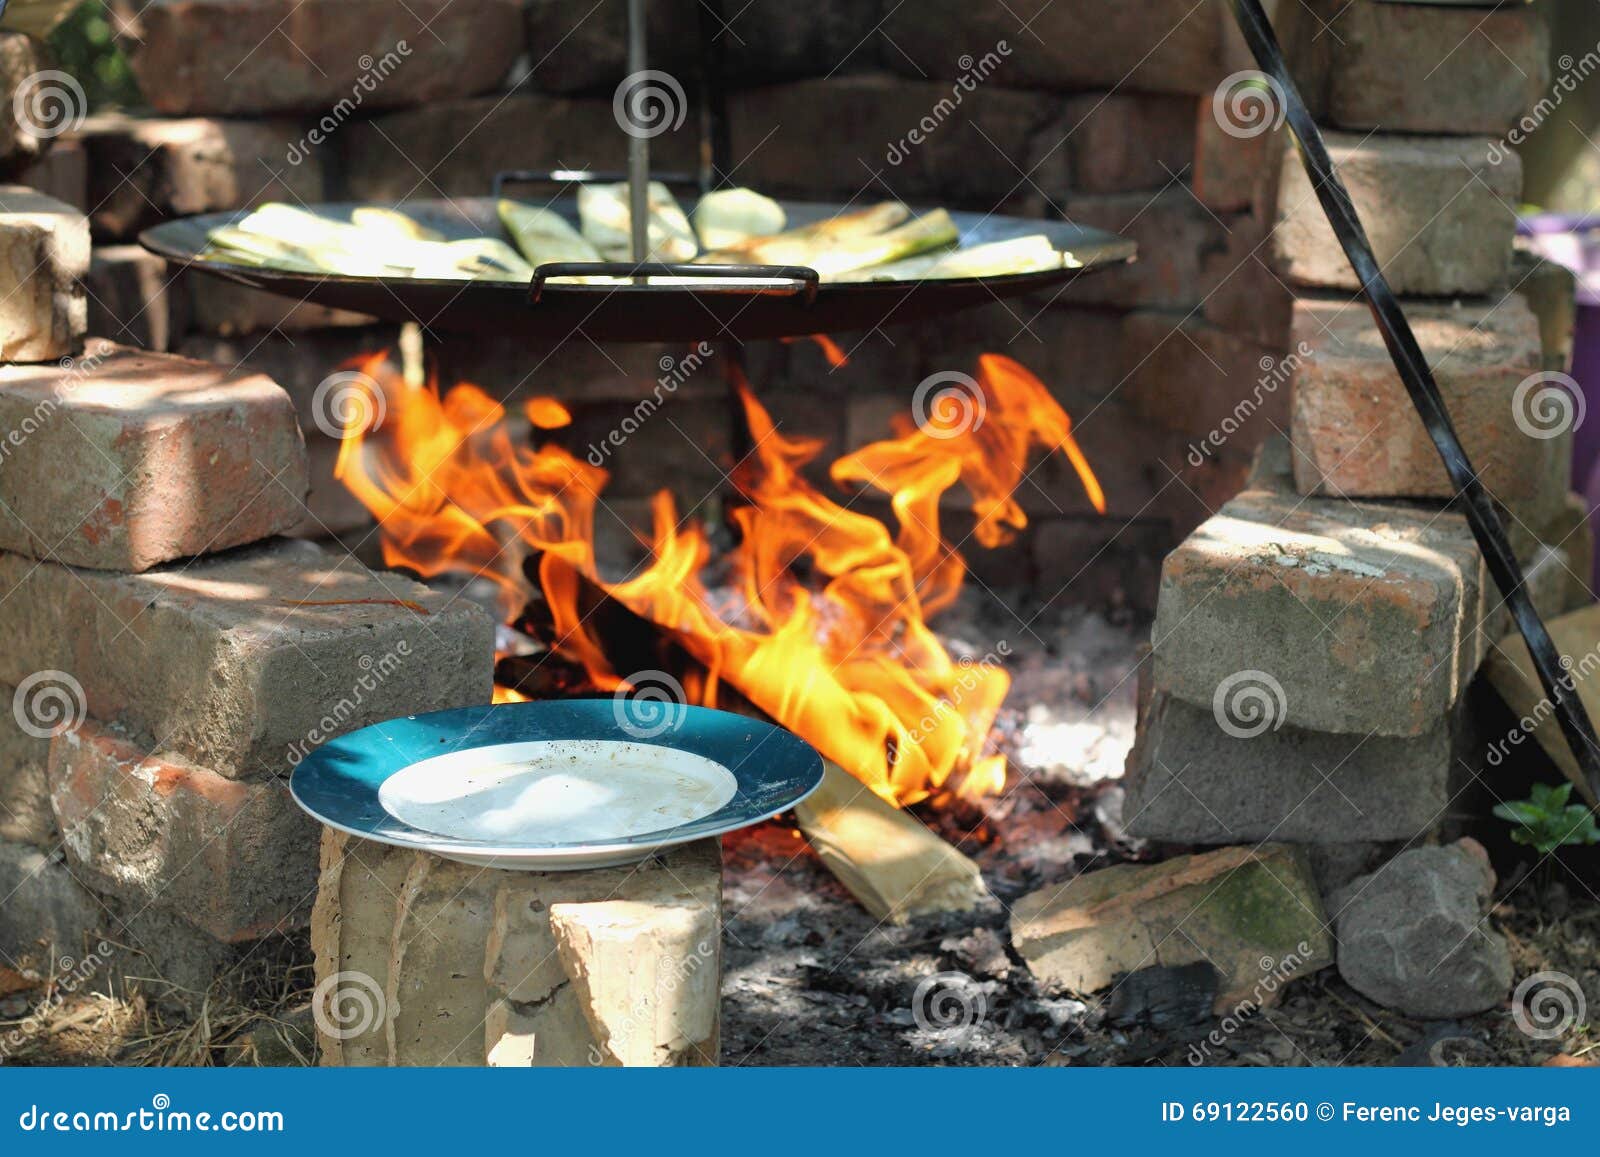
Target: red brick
column 259, row 56
column 237, row 860
column 1357, row 434
column 299, row 364
column 578, row 369
column 331, row 510
column 1366, row 618
column 1232, row 172
column 1190, row 781
column 44, row 251
column 172, row 458
column 1117, row 142
column 1185, row 250
column 24, row 797
column 22, row 57
column 1404, row 68
column 216, row 305
column 975, row 156
column 1440, row 213
column 584, row 49
column 133, row 298
column 144, row 170
column 1233, row 391
column 241, row 662
column 1142, row 45
column 454, row 148
column 62, row 173
column 48, row 921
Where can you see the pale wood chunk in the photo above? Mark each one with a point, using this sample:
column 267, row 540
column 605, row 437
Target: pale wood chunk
column 889, row 861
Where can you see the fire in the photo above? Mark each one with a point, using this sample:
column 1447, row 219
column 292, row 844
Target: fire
column 828, row 633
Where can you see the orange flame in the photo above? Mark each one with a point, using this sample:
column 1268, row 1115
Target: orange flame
column 547, row 413
column 844, row 657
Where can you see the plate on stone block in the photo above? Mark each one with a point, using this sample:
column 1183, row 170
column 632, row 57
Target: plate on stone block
column 556, row 786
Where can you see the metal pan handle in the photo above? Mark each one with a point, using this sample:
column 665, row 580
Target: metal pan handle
column 804, row 276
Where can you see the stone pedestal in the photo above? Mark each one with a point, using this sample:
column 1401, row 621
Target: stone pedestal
column 424, row 961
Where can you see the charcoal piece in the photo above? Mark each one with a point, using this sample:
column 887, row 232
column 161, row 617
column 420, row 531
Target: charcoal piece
column 1164, row 998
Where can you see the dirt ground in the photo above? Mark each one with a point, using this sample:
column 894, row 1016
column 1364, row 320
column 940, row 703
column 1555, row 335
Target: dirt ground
column 812, row 979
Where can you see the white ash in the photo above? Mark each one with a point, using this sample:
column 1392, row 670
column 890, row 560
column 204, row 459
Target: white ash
column 1069, row 715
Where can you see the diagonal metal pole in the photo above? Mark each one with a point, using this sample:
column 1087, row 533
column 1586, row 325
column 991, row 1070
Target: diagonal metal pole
column 1418, row 378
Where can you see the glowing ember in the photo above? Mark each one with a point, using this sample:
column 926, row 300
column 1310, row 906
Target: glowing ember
column 845, row 657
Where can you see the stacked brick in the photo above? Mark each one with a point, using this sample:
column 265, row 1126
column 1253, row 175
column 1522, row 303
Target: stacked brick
column 1072, row 115
column 1315, row 637
column 170, row 655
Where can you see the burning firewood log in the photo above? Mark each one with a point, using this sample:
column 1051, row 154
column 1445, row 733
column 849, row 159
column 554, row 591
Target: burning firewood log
column 893, row 864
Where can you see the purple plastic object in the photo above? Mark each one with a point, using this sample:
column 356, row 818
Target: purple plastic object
column 1573, row 241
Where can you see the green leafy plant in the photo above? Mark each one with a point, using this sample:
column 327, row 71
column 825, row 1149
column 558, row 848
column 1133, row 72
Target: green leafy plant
column 1546, row 821
column 85, row 46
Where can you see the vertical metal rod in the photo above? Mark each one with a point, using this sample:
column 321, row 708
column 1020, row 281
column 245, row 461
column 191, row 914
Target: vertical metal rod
column 716, row 148
column 638, row 142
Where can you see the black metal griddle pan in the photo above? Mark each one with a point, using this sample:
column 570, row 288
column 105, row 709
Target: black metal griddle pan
column 739, row 302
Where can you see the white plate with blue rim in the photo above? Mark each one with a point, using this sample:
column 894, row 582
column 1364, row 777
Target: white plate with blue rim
column 556, row 786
